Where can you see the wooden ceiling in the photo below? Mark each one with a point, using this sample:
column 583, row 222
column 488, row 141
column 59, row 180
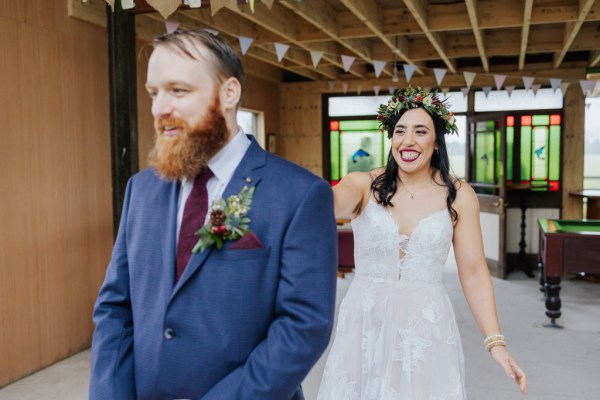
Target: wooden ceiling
column 515, row 37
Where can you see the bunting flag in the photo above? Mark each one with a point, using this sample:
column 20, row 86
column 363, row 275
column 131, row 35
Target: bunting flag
column 280, row 50
column 376, row 89
column 212, row 31
column 465, row 91
column 269, row 3
column 439, row 75
column 391, row 89
column 245, row 43
column 564, row 86
column 555, row 83
column 445, row 91
column 486, row 90
column 469, row 78
column 216, row 5
column 509, row 89
column 588, row 105
column 409, row 70
column 345, row 87
column 527, row 82
column 127, row 4
column 315, row 56
column 378, row 67
column 330, row 84
column 587, row 86
column 111, row 3
column 251, row 3
column 347, row 62
column 164, row 7
column 358, row 90
column 193, row 3
column 535, row 88
column 171, row 26
column 499, row 79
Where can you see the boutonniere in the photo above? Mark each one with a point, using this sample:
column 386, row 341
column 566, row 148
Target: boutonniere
column 228, row 220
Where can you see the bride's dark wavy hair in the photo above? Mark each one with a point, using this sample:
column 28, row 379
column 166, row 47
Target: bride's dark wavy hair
column 384, row 186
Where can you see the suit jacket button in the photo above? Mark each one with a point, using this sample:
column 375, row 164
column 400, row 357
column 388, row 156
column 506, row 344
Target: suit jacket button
column 169, row 333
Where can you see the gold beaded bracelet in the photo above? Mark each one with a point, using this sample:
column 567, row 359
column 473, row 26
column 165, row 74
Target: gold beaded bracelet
column 494, row 340
column 495, row 343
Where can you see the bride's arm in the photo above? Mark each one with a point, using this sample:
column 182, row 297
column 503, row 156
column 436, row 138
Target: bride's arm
column 349, row 194
column 475, row 277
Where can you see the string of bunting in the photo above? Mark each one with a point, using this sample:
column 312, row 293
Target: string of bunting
column 168, row 7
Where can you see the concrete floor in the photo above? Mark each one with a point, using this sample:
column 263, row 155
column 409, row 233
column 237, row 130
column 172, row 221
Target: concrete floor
column 562, row 364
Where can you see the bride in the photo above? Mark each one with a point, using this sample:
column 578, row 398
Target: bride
column 397, row 336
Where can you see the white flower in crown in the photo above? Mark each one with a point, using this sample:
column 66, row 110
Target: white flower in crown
column 427, row 101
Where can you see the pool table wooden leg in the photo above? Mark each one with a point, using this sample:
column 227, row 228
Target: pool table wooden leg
column 553, row 303
column 542, row 277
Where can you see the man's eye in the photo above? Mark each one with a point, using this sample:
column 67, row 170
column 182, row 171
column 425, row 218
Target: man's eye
column 179, row 90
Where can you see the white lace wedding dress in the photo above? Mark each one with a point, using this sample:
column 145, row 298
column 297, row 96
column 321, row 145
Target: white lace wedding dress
column 396, row 336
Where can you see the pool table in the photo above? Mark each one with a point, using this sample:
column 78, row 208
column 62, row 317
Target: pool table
column 566, row 246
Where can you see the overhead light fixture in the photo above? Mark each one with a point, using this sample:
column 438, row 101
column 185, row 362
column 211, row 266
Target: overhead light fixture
column 395, row 77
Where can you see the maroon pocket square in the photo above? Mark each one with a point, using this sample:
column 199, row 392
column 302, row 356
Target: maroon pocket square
column 246, row 242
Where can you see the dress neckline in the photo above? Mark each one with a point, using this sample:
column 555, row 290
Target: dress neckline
column 397, row 225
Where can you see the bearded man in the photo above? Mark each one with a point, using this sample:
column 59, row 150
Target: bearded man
column 205, row 298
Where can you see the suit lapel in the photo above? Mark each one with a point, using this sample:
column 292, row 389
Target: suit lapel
column 246, row 174
column 168, row 236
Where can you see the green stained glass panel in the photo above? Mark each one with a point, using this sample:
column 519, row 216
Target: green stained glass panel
column 540, row 120
column 539, row 153
column 360, row 151
column 554, row 152
column 334, row 143
column 499, row 167
column 525, row 153
column 484, row 157
column 360, row 125
column 510, row 142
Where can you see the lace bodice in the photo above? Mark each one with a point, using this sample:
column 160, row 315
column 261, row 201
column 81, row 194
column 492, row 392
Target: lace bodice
column 381, row 252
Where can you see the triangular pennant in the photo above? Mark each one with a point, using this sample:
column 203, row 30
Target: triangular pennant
column 486, row 90
column 391, row 89
column 527, row 82
column 469, row 78
column 555, row 83
column 563, row 87
column 111, row 3
column 345, row 87
column 445, row 91
column 358, row 90
column 535, row 88
column 245, row 43
column 127, row 4
column 280, row 50
column 378, row 67
column 212, row 31
column 164, row 7
column 216, row 5
column 509, row 89
column 330, row 84
column 315, row 56
column 499, row 79
column 269, row 3
column 376, row 89
column 587, row 86
column 347, row 62
column 409, row 70
column 251, row 3
column 171, row 26
column 588, row 105
column 465, row 91
column 439, row 75
column 193, row 3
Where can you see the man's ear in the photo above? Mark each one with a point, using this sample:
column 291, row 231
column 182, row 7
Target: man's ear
column 230, row 93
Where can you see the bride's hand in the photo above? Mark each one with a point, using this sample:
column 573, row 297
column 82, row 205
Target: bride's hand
column 510, row 366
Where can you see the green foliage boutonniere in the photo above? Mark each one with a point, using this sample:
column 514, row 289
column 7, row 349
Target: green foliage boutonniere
column 228, row 220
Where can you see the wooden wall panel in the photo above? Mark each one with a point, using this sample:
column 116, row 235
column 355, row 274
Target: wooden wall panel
column 573, row 149
column 56, row 213
column 263, row 95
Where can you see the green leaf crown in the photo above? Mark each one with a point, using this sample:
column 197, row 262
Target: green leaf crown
column 410, row 97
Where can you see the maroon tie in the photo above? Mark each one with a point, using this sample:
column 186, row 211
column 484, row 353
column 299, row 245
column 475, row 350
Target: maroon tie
column 194, row 214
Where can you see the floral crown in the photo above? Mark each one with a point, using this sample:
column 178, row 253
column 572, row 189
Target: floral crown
column 412, row 98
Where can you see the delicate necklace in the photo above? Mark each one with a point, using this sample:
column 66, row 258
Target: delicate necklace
column 412, row 194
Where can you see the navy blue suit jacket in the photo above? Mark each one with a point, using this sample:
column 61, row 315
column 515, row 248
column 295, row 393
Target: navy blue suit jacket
column 239, row 324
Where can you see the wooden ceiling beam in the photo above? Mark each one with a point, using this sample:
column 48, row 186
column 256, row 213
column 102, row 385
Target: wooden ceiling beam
column 320, row 14
column 572, row 29
column 419, row 13
column 474, row 19
column 525, row 32
column 595, row 58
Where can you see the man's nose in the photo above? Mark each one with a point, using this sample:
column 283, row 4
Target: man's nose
column 161, row 105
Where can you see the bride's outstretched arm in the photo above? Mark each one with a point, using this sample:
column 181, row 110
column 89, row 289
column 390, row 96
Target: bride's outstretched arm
column 476, row 281
column 349, row 195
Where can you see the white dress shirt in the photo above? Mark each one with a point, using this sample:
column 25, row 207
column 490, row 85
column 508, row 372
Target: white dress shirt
column 222, row 165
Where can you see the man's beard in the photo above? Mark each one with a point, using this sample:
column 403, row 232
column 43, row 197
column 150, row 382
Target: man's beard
column 190, row 151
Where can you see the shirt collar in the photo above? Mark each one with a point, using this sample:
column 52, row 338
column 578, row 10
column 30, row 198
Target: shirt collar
column 224, row 163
